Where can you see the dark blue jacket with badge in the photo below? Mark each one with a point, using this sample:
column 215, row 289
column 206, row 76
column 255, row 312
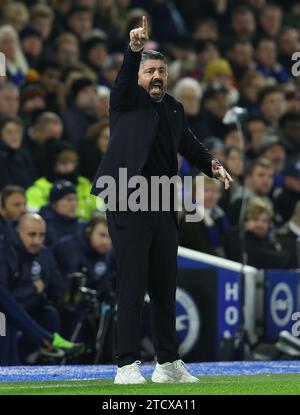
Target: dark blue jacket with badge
column 75, row 254
column 19, row 269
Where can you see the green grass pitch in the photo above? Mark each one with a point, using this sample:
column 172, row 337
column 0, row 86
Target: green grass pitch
column 279, row 384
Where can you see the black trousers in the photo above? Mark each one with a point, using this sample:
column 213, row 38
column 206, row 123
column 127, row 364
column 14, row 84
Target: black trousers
column 146, row 249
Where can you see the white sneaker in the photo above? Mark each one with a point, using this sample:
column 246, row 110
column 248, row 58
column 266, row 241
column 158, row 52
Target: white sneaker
column 172, row 372
column 129, row 374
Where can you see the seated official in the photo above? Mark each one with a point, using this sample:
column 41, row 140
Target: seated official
column 12, row 207
column 261, row 248
column 87, row 252
column 60, row 214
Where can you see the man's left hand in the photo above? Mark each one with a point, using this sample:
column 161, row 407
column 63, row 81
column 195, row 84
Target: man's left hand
column 221, row 174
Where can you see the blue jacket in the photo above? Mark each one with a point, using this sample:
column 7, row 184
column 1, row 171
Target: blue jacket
column 75, row 254
column 19, row 269
column 58, row 226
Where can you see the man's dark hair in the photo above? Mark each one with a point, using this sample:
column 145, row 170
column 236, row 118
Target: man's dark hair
column 259, row 162
column 9, row 190
column 154, row 55
column 268, row 90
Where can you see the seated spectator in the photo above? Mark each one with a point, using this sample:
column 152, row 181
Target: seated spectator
column 46, row 126
column 267, row 64
column 94, row 54
column 234, row 163
column 32, row 100
column 82, row 111
column 289, row 42
column 285, row 199
column 60, row 214
column 61, row 163
column 289, row 125
column 272, row 104
column 79, row 21
column 240, row 55
column 289, row 237
column 261, row 250
column 16, row 164
column 259, row 179
column 233, row 137
column 272, row 148
column 250, row 86
column 207, row 235
column 92, row 149
column 16, row 65
column 32, row 45
column 66, row 50
column 12, row 206
column 15, row 14
column 219, row 72
column 256, row 130
column 50, row 74
column 9, row 100
column 90, row 250
column 216, row 147
column 189, row 93
column 215, row 105
column 42, row 19
column 270, row 20
column 31, row 273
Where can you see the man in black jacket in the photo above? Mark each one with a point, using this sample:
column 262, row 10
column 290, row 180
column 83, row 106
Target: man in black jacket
column 148, row 128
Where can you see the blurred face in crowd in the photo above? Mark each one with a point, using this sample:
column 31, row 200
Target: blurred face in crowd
column 276, row 155
column 66, row 166
column 292, row 183
column 32, row 234
column 99, row 239
column 206, row 31
column 261, row 180
column 190, row 100
column 274, row 106
column 241, row 55
column 32, row 45
column 14, row 207
column 235, row 163
column 258, row 130
column 9, row 102
column 50, row 79
column 12, row 134
column 103, row 140
column 259, row 225
column 153, row 76
column 97, row 55
column 44, row 25
column 243, row 24
column 251, row 91
column 210, row 53
column 7, row 46
column 218, row 105
column 47, row 129
column 81, row 23
column 289, row 41
column 68, row 53
column 233, row 139
column 270, row 20
column 33, row 103
column 291, row 131
column 266, row 53
column 212, row 194
column 87, row 100
column 66, row 206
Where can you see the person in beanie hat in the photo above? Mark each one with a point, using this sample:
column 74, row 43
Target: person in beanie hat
column 82, row 111
column 94, row 54
column 32, row 45
column 60, row 213
column 61, row 164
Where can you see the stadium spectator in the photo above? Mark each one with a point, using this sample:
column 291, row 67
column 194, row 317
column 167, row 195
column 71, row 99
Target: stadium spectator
column 32, row 45
column 32, row 101
column 79, row 20
column 61, row 163
column 66, row 50
column 83, row 110
column 289, row 42
column 42, row 18
column 90, row 248
column 286, row 198
column 91, row 149
column 270, row 20
column 262, row 250
column 208, row 234
column 272, row 104
column 240, row 54
column 16, row 164
column 46, row 126
column 12, row 207
column 289, row 236
column 259, row 179
column 289, row 125
column 94, row 54
column 250, row 86
column 16, row 65
column 243, row 23
column 60, row 213
column 9, row 100
column 16, row 14
column 49, row 77
column 255, row 129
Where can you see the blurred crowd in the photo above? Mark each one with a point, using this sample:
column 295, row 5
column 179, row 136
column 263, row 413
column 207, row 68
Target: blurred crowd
column 62, row 57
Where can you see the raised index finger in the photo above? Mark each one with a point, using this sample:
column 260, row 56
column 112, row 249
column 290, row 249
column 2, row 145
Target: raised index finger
column 145, row 25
